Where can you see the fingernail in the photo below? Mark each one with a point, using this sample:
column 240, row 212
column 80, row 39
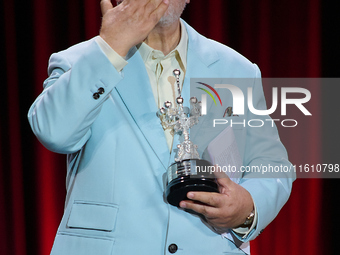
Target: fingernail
column 182, row 204
column 190, row 195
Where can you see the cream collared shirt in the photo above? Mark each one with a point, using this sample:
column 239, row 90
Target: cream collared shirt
column 160, row 70
column 163, row 83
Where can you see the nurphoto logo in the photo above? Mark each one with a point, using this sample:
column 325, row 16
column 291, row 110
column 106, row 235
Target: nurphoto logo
column 238, row 104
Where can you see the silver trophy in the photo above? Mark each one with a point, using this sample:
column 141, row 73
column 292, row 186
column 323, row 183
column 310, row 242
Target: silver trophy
column 184, row 174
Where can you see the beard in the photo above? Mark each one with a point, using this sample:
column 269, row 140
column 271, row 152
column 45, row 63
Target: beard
column 173, row 13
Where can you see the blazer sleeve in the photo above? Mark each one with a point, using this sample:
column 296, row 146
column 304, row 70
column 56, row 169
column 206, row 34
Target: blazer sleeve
column 80, row 80
column 269, row 190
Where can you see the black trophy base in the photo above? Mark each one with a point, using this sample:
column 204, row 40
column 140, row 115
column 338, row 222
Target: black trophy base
column 176, row 191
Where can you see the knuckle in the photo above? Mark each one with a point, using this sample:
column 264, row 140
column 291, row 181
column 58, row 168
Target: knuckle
column 207, row 211
column 154, row 17
column 128, row 8
column 131, row 15
column 140, row 3
column 151, row 6
column 213, row 200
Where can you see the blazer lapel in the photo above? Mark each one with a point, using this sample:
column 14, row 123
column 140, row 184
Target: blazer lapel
column 199, row 59
column 136, row 93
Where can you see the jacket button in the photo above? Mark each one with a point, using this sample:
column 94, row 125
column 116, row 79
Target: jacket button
column 101, row 90
column 96, row 95
column 173, row 248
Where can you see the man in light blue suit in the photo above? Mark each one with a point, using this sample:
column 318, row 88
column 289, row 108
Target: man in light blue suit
column 99, row 107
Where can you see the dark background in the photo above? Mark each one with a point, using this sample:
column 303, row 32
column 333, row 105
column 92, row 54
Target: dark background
column 285, row 38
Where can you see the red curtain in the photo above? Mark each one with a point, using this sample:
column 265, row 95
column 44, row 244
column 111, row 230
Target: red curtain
column 283, row 38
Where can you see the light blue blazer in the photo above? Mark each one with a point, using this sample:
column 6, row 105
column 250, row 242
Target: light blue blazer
column 117, row 153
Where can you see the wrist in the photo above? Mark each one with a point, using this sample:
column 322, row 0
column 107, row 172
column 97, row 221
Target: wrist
column 117, row 47
column 249, row 220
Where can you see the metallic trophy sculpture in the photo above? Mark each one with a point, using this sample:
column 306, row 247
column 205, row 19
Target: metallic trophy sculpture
column 182, row 174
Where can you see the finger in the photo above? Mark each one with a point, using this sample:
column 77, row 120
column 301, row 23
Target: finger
column 152, row 5
column 105, row 5
column 208, row 211
column 208, row 198
column 159, row 11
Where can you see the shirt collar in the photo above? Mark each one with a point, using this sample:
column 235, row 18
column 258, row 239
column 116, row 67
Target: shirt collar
column 182, row 47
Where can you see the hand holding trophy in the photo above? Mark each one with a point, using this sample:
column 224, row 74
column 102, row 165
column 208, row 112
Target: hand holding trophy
column 182, row 174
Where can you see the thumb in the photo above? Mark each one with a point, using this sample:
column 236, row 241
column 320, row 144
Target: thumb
column 105, row 5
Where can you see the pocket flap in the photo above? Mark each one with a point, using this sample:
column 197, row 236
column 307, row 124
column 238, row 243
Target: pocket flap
column 96, row 216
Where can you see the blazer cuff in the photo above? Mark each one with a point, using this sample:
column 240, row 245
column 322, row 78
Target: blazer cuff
column 243, row 232
column 116, row 60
